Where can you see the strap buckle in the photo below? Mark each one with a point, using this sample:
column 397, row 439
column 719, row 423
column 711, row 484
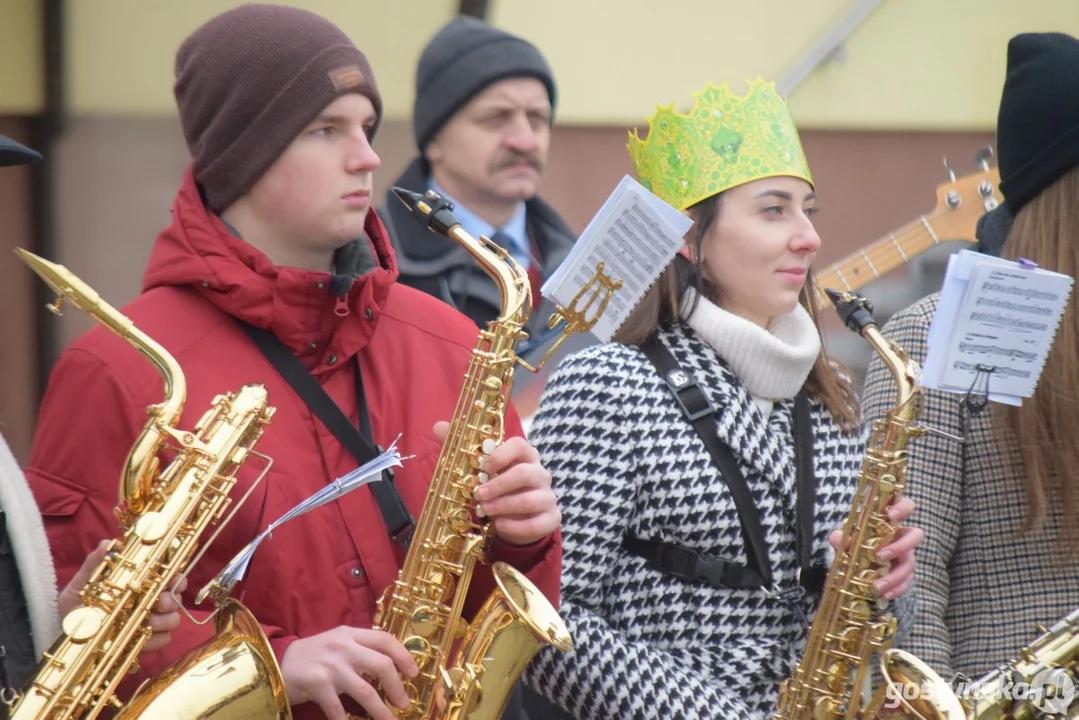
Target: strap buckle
column 674, row 560
column 792, row 597
column 403, row 537
column 687, row 564
column 794, row 594
column 682, row 384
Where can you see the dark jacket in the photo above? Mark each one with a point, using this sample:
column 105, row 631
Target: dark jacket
column 325, row 568
column 28, row 619
column 440, row 267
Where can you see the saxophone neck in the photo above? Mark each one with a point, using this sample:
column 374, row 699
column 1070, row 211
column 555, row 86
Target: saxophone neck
column 436, row 213
column 904, row 372
column 857, row 314
column 141, row 466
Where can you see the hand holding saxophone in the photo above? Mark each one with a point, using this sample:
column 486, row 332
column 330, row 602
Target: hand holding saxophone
column 900, row 552
column 347, row 661
column 166, row 614
column 518, row 497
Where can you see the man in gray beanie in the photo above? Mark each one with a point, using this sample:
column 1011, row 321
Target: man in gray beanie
column 482, row 115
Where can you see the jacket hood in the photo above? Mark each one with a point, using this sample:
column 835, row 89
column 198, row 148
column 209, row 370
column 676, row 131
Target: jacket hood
column 302, row 307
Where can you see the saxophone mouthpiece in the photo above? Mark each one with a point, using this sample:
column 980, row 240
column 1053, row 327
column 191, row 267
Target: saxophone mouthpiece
column 854, row 310
column 68, row 287
column 430, row 208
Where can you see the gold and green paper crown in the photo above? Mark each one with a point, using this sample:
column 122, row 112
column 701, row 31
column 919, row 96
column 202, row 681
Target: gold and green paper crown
column 724, row 141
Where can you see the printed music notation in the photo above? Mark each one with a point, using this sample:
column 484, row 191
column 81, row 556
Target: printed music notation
column 997, row 314
column 997, row 371
column 975, row 348
column 635, row 235
column 1008, row 321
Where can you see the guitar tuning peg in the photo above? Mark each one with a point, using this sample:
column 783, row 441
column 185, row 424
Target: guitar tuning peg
column 951, row 173
column 981, row 158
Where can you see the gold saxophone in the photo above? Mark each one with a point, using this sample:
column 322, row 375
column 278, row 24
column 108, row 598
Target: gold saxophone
column 162, row 514
column 853, row 624
column 423, row 608
column 1040, row 683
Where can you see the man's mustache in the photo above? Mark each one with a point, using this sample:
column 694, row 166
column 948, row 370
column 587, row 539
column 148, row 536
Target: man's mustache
column 510, row 159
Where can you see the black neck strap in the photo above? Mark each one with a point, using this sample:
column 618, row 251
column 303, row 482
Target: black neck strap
column 359, row 442
column 698, row 411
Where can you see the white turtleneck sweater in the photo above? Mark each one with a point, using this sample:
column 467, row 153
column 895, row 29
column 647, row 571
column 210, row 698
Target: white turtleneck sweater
column 772, row 363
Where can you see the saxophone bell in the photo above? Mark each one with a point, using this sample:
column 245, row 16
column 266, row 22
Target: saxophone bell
column 514, row 624
column 234, row 675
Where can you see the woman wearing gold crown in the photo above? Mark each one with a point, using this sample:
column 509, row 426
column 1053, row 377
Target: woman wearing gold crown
column 680, row 452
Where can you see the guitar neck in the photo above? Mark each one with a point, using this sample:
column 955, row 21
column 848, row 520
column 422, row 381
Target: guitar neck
column 879, row 258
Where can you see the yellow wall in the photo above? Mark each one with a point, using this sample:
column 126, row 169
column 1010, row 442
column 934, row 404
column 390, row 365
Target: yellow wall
column 121, row 51
column 912, row 64
column 21, row 75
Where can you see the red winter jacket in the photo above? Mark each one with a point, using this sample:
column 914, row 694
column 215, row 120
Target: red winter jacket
column 327, row 567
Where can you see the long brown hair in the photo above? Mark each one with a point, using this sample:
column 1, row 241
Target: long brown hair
column 661, row 306
column 1046, row 230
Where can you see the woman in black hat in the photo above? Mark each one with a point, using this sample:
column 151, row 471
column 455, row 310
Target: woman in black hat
column 1000, row 508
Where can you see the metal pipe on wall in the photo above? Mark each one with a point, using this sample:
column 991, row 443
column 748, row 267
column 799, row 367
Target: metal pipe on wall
column 45, row 130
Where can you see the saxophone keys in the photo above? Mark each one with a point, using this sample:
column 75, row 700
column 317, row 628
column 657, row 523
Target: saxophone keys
column 416, row 645
column 459, row 521
column 83, row 623
column 488, row 446
column 151, row 527
column 424, row 621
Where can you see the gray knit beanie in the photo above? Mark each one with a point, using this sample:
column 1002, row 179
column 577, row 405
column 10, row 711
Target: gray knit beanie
column 462, row 59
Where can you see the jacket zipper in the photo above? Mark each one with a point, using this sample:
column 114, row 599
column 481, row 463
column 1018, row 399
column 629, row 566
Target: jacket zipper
column 340, row 307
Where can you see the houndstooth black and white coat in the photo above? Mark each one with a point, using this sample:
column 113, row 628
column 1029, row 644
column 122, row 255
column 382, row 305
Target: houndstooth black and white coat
column 623, row 458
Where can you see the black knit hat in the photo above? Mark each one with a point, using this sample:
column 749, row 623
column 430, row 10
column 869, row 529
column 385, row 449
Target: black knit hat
column 462, row 59
column 1037, row 127
column 1038, row 123
column 250, row 80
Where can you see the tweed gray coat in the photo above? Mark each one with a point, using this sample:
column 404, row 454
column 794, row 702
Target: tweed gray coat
column 647, row 645
column 981, row 589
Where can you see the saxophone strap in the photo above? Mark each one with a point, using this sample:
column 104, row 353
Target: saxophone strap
column 690, row 565
column 358, row 441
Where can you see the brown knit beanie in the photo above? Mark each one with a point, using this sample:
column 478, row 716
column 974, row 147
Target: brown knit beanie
column 250, row 80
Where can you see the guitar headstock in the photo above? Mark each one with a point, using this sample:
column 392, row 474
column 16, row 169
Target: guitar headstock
column 962, row 201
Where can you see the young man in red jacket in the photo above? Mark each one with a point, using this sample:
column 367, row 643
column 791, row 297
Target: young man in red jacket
column 272, row 229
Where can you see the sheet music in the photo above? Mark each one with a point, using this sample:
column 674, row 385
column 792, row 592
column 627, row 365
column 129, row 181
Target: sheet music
column 998, row 314
column 636, row 235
